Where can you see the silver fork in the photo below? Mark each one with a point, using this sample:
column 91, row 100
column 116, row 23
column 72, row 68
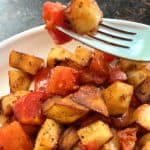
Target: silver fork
column 124, row 39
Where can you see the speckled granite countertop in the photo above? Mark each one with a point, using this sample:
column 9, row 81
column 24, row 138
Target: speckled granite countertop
column 19, row 15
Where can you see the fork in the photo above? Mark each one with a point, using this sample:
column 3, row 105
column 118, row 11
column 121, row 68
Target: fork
column 119, row 39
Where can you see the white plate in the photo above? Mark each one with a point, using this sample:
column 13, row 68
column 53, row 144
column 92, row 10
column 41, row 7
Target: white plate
column 35, row 41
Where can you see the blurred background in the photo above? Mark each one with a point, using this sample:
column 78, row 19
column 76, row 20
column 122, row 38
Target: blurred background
column 19, row 15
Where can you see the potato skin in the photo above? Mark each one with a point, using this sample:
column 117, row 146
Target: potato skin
column 18, row 80
column 84, row 15
column 117, row 97
column 25, row 62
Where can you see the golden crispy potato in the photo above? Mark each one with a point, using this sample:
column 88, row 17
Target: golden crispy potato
column 97, row 132
column 90, row 97
column 117, row 97
column 25, row 62
column 18, row 80
column 81, row 56
column 48, row 135
column 141, row 116
column 144, row 139
column 84, row 15
column 135, row 77
column 143, row 91
column 68, row 139
column 133, row 65
column 113, row 144
column 3, row 120
column 57, row 54
column 8, row 101
column 63, row 110
column 146, row 146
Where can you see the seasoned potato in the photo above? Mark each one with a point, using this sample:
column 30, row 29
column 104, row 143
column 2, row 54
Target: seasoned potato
column 141, row 116
column 9, row 101
column 63, row 110
column 48, row 135
column 81, row 56
column 146, row 146
column 97, row 132
column 90, row 97
column 25, row 62
column 135, row 77
column 3, row 120
column 143, row 140
column 57, row 54
column 84, row 15
column 68, row 139
column 117, row 97
column 133, row 65
column 18, row 80
column 113, row 144
column 143, row 91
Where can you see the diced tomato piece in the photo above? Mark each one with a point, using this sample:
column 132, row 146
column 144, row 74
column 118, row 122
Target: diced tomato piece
column 90, row 146
column 63, row 80
column 98, row 64
column 53, row 14
column 127, row 138
column 41, row 80
column 27, row 109
column 13, row 137
column 117, row 75
column 108, row 57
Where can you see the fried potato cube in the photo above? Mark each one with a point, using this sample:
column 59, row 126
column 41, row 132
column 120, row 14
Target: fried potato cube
column 81, row 56
column 63, row 110
column 97, row 132
column 90, row 97
column 3, row 120
column 146, row 146
column 9, row 101
column 68, row 139
column 57, row 54
column 143, row 140
column 18, row 80
column 133, row 65
column 117, row 97
column 113, row 144
column 48, row 135
column 135, row 77
column 143, row 91
column 84, row 15
column 141, row 116
column 25, row 62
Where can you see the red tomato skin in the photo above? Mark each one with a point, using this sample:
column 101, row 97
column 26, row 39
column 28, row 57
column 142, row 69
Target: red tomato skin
column 13, row 137
column 108, row 57
column 53, row 14
column 63, row 81
column 41, row 80
column 90, row 146
column 27, row 109
column 98, row 64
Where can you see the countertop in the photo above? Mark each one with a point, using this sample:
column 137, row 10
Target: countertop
column 19, row 15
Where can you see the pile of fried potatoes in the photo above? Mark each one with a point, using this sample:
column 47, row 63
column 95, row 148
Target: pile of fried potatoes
column 108, row 110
